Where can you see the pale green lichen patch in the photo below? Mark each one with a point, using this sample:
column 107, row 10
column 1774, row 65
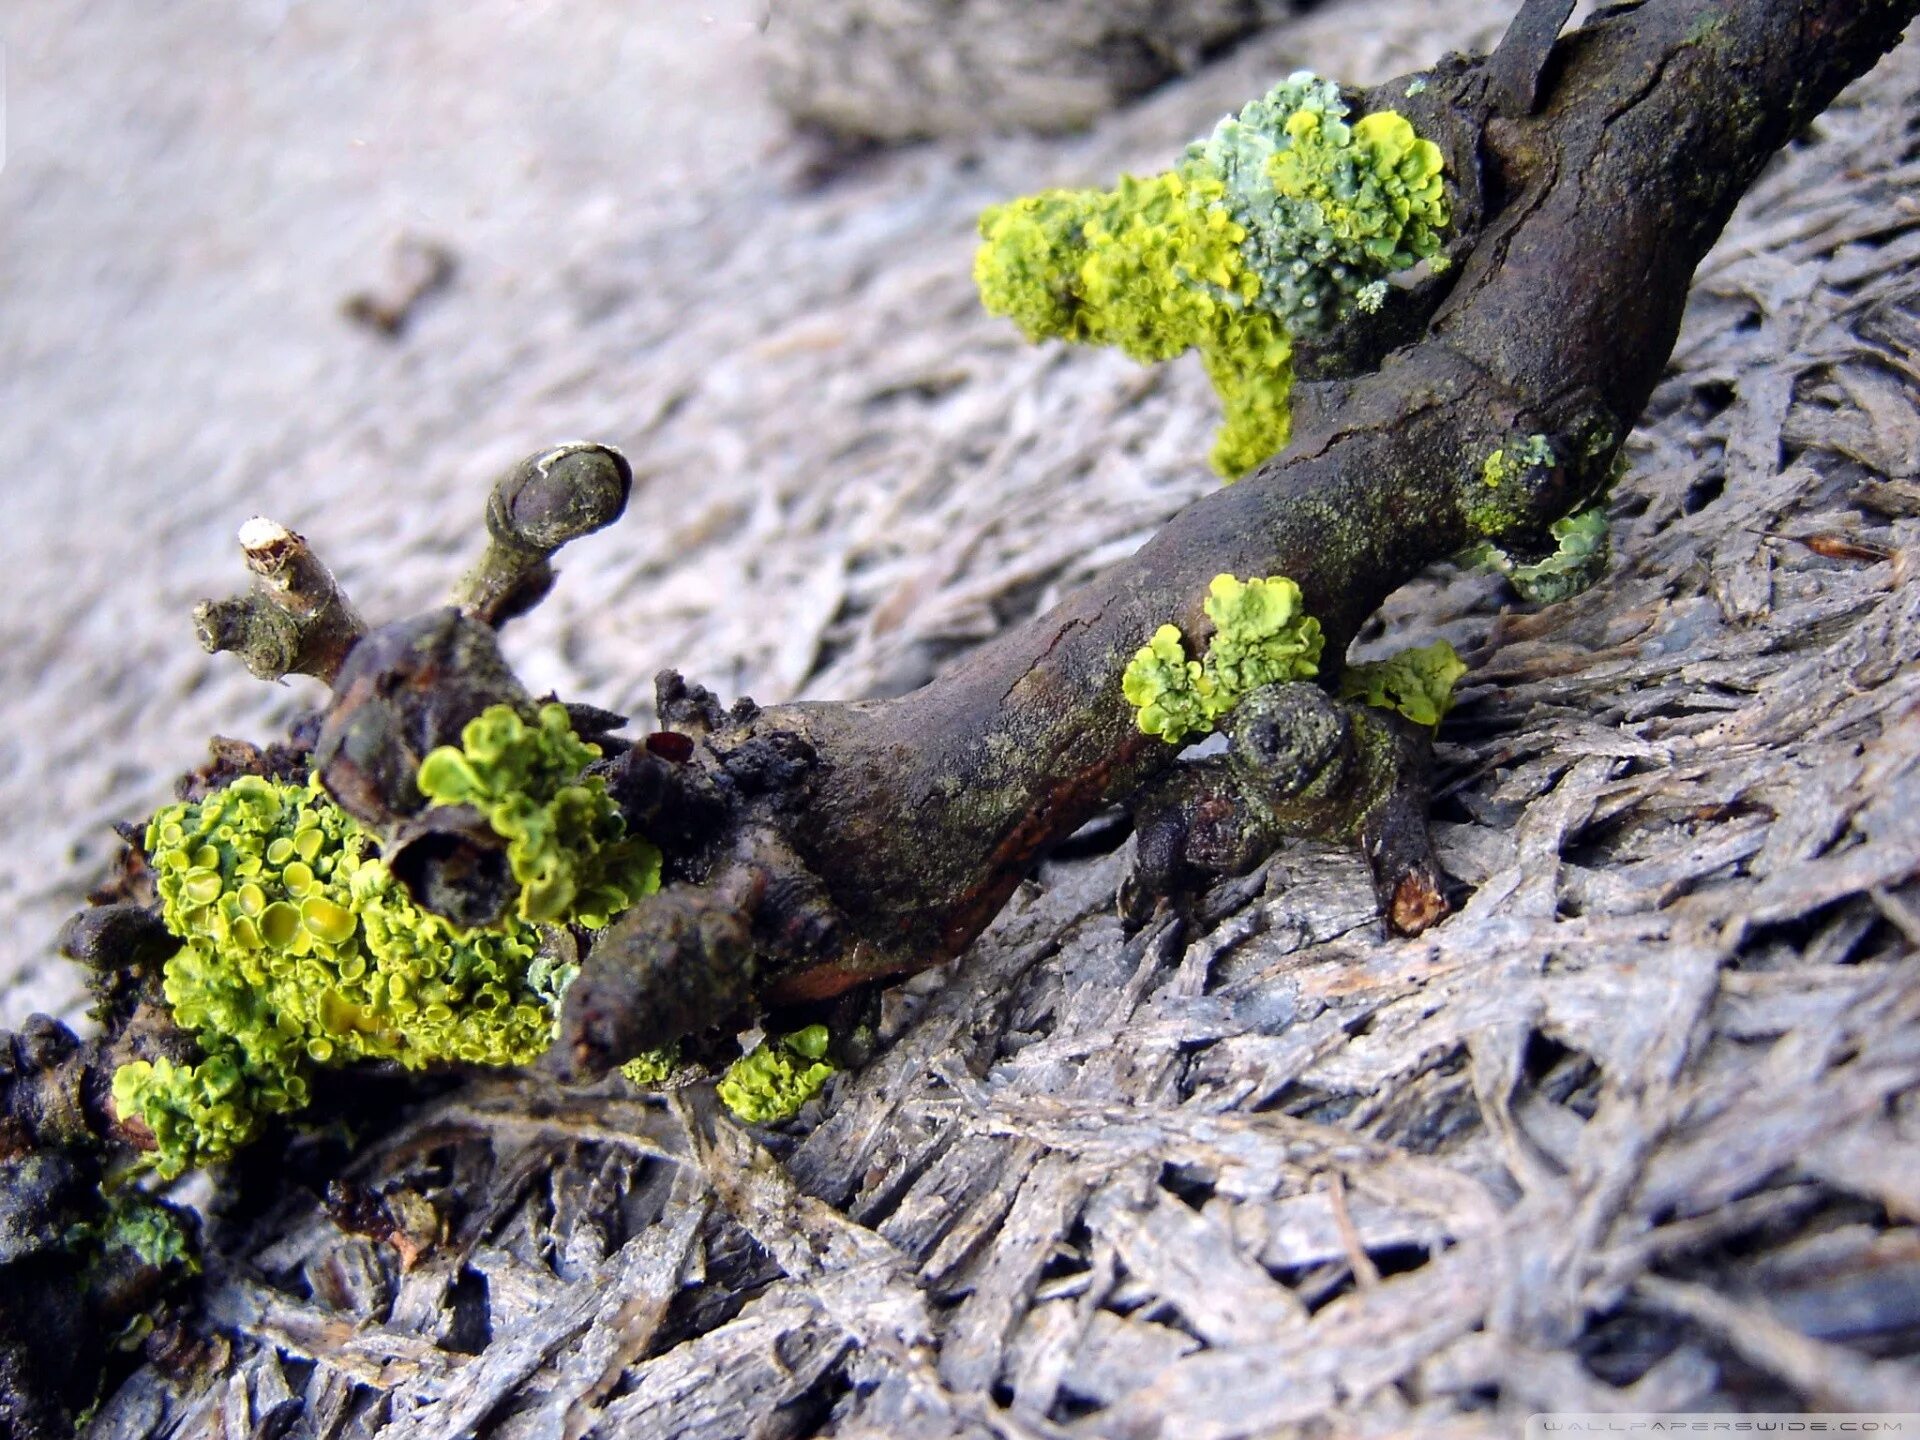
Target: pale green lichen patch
column 1262, row 636
column 1510, row 462
column 302, row 950
column 1278, row 224
column 1582, row 550
column 1418, row 682
column 152, row 1231
column 772, row 1081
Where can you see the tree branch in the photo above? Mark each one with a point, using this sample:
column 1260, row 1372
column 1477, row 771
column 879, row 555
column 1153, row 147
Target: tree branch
column 1582, row 222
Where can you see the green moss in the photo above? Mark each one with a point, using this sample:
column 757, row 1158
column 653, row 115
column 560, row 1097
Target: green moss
column 1278, row 224
column 1262, row 636
column 776, row 1078
column 1418, row 683
column 303, row 951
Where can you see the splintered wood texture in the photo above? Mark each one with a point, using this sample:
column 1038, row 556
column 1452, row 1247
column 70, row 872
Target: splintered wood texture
column 1635, row 1128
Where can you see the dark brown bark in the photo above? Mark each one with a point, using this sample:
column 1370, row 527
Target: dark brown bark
column 1592, row 179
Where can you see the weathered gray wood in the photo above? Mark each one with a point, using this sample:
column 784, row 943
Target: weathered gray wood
column 1652, row 1086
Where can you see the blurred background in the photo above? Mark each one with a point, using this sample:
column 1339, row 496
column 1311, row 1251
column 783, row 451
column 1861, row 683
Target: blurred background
column 339, row 264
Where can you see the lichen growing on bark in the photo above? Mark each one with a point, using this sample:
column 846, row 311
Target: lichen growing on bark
column 1262, row 635
column 568, row 846
column 1582, row 548
column 1279, row 224
column 302, row 949
column 773, row 1080
column 1417, row 682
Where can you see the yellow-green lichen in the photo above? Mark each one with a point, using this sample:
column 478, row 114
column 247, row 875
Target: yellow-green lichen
column 1418, row 683
column 1510, row 462
column 569, row 849
column 1262, row 636
column 1278, row 224
column 155, row 1233
column 1153, row 268
column 772, row 1081
column 1582, row 547
column 301, row 949
column 653, row 1067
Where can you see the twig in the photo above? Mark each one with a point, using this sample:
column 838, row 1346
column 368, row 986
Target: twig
column 295, row 620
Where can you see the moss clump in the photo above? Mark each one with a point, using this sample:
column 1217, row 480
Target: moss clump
column 301, row 949
column 1418, row 683
column 772, row 1081
column 1278, row 224
column 1262, row 636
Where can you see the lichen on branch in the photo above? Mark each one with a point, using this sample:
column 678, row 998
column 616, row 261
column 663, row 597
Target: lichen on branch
column 1418, row 683
column 303, row 950
column 773, row 1080
column 567, row 844
column 1278, row 225
column 1262, row 635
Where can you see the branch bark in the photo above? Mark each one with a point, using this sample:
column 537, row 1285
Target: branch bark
column 1589, row 189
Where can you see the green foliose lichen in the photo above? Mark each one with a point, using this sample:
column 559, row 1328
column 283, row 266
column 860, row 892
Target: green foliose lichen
column 1172, row 696
column 301, row 949
column 652, row 1068
column 1262, row 636
column 1509, row 462
column 156, row 1234
column 1279, row 224
column 772, row 1081
column 1582, row 548
column 1418, row 682
column 569, row 849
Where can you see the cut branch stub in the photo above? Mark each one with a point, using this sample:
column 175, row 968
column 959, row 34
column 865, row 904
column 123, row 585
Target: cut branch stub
column 294, row 621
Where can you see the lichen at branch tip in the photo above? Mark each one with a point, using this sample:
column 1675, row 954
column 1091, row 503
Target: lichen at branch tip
column 1583, row 546
column 1262, row 636
column 772, row 1081
column 1418, row 682
column 301, row 949
column 1279, row 224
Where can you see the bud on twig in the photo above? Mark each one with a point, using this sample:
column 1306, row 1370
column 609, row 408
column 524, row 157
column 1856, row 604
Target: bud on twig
column 542, row 503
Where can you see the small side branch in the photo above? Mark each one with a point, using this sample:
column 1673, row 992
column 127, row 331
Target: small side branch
column 294, row 621
column 541, row 504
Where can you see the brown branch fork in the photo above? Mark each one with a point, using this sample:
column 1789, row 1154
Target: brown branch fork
column 1593, row 171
